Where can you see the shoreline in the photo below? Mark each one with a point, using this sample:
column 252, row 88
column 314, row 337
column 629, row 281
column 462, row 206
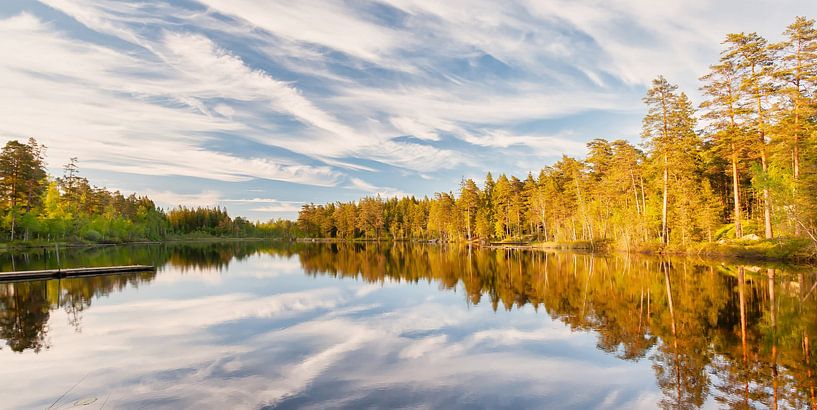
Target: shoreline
column 775, row 251
column 8, row 247
column 799, row 252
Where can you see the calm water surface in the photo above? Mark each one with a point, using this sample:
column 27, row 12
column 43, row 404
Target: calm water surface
column 253, row 325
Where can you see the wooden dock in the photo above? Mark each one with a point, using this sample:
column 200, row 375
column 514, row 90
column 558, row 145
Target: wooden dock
column 72, row 272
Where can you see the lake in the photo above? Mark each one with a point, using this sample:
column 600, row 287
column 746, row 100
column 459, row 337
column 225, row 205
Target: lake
column 280, row 325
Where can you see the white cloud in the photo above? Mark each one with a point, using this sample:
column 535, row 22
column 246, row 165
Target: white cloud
column 320, row 89
column 385, row 192
column 171, row 199
column 269, row 205
column 322, row 23
column 200, row 71
column 542, row 145
column 96, row 103
column 211, row 198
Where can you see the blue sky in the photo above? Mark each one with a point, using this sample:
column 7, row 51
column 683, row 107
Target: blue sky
column 260, row 106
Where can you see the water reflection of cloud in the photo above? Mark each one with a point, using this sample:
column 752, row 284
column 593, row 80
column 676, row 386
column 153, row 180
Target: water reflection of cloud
column 423, row 346
column 354, row 343
column 260, row 267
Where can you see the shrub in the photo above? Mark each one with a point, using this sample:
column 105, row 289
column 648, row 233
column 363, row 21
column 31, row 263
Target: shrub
column 92, row 235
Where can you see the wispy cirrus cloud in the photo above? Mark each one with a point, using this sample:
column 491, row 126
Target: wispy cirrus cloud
column 268, row 205
column 211, row 198
column 317, row 23
column 319, row 95
column 386, row 192
column 100, row 105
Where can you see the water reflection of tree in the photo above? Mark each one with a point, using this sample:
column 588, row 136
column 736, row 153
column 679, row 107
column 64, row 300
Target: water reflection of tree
column 738, row 336
column 183, row 256
column 25, row 307
column 24, row 313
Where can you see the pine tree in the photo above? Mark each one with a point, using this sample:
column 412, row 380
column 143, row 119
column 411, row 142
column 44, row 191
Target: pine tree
column 722, row 109
column 502, row 197
column 797, row 73
column 660, row 100
column 469, row 202
column 754, row 60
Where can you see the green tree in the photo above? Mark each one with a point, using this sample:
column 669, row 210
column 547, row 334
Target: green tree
column 660, row 100
column 22, row 178
column 754, row 60
column 722, row 109
column 469, row 202
column 797, row 73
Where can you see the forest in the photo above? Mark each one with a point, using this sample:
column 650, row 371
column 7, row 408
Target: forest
column 38, row 208
column 738, row 168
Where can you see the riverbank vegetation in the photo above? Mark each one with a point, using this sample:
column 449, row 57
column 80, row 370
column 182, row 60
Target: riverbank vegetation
column 739, row 171
column 39, row 209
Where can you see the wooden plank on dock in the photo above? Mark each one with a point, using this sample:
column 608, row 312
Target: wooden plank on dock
column 72, row 272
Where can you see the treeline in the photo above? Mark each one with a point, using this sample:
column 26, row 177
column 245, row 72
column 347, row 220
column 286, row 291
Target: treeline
column 38, row 207
column 742, row 164
column 217, row 222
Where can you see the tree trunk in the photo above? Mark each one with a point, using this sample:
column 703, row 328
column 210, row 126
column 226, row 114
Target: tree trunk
column 635, row 192
column 736, row 193
column 796, row 160
column 767, row 201
column 468, row 224
column 13, row 221
column 664, row 228
column 796, row 148
column 544, row 224
column 643, row 195
column 584, row 213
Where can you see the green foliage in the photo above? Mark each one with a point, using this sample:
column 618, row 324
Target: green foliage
column 92, row 236
column 37, row 208
column 727, row 232
column 787, row 249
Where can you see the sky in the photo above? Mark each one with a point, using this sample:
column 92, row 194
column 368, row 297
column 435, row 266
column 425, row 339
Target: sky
column 261, row 106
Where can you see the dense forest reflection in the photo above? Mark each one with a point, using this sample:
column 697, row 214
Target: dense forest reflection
column 739, row 335
column 742, row 335
column 181, row 255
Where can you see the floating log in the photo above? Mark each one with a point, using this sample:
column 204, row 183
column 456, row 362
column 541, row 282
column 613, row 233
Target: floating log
column 72, row 272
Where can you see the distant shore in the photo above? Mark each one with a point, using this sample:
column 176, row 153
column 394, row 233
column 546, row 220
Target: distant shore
column 784, row 250
column 765, row 250
column 27, row 245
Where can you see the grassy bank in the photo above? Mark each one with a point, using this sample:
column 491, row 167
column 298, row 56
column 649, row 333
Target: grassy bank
column 782, row 249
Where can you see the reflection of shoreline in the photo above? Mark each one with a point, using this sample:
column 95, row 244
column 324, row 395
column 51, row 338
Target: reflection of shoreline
column 705, row 253
column 687, row 330
column 711, row 332
column 183, row 255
